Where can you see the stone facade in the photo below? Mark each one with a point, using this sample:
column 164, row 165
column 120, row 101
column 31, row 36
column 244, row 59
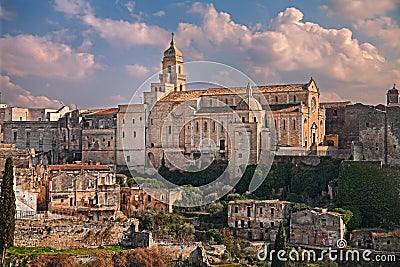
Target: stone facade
column 222, row 123
column 258, row 219
column 87, row 191
column 309, row 227
column 99, row 136
column 66, row 235
column 135, row 201
column 131, row 137
column 43, row 136
column 377, row 239
column 371, row 133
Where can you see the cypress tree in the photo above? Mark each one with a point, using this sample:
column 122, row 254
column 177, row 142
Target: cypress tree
column 280, row 244
column 8, row 209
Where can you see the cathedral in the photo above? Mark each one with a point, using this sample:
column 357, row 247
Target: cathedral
column 194, row 127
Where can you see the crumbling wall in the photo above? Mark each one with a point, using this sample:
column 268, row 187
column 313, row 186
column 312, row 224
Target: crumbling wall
column 62, row 235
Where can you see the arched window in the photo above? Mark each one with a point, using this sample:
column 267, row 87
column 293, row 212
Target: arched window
column 169, row 129
column 294, row 99
column 305, row 121
column 197, row 126
column 276, row 99
column 180, row 87
column 134, row 134
column 179, row 69
column 214, row 126
column 205, row 126
column 284, row 124
column 294, row 124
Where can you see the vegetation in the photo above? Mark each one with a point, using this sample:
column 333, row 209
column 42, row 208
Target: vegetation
column 371, row 193
column 8, row 209
column 279, row 245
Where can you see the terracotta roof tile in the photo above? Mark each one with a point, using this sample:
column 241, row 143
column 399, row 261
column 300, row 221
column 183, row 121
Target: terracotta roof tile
column 195, row 94
column 76, row 167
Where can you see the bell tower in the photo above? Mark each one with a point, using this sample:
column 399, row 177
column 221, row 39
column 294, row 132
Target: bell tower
column 392, row 96
column 172, row 77
column 172, row 67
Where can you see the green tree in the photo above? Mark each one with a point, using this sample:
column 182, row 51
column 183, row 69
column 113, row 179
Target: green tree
column 371, row 192
column 7, row 214
column 346, row 214
column 280, row 244
column 228, row 240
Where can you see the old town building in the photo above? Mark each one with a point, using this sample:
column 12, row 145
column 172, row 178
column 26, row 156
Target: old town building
column 369, row 133
column 83, row 190
column 377, row 239
column 258, row 219
column 317, row 228
column 135, row 201
column 99, row 132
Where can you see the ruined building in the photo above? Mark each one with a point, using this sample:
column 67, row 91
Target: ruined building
column 135, row 201
column 258, row 219
column 317, row 228
column 86, row 191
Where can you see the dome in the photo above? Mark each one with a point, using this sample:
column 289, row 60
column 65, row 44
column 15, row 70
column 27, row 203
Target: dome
column 249, row 104
column 172, row 51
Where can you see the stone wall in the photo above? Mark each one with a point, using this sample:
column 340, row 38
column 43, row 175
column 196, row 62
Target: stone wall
column 63, row 235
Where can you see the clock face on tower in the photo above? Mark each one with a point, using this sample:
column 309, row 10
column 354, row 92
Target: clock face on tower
column 313, row 104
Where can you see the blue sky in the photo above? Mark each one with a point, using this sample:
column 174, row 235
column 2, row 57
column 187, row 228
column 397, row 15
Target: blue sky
column 97, row 53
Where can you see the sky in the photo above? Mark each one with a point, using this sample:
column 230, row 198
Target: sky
column 93, row 54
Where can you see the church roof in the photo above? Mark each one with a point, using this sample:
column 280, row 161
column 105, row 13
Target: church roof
column 286, row 108
column 265, row 89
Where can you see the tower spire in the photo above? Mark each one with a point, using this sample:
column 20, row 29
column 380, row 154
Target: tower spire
column 172, row 39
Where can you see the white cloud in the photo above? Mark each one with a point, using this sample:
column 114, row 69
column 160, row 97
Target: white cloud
column 359, row 9
column 130, row 6
column 71, row 7
column 25, row 55
column 86, row 45
column 137, row 70
column 4, row 14
column 117, row 99
column 123, row 32
column 159, row 13
column 330, row 97
column 384, row 28
column 290, row 48
column 15, row 95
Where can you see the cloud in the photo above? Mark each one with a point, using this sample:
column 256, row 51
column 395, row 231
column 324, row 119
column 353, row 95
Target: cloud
column 359, row 9
column 383, row 28
column 330, row 97
column 117, row 99
column 4, row 14
column 130, row 6
column 15, row 95
column 71, row 7
column 289, row 49
column 137, row 70
column 25, row 55
column 159, row 13
column 123, row 32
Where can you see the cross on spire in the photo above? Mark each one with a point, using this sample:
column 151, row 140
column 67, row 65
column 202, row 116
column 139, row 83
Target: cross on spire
column 172, row 38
